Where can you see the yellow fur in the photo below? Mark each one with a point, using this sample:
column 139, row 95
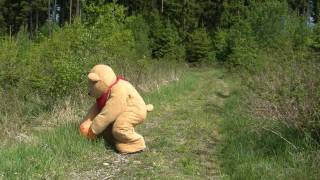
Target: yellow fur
column 123, row 111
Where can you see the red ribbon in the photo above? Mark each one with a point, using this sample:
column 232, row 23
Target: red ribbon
column 102, row 100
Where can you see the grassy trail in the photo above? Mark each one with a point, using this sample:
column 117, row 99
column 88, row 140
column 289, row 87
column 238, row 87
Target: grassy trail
column 181, row 135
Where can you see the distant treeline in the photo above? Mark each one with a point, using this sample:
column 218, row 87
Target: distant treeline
column 47, row 46
column 184, row 14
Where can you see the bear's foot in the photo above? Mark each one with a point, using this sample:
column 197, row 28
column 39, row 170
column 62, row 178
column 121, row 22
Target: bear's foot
column 131, row 147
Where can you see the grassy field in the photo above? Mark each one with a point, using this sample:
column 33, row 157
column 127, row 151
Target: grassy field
column 196, row 131
column 261, row 149
column 181, row 135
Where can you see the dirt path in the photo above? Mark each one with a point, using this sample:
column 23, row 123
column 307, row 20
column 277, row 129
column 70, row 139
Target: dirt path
column 181, row 134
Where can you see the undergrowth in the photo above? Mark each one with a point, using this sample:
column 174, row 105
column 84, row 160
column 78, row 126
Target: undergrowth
column 254, row 148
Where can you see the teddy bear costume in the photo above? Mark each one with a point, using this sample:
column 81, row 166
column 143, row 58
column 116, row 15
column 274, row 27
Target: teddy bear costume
column 118, row 102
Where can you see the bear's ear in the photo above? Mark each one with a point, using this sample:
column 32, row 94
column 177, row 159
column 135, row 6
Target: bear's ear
column 93, row 77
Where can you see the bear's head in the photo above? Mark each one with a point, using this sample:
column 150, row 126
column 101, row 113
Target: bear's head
column 100, row 78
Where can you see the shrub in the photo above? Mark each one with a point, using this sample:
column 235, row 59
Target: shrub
column 140, row 30
column 220, row 45
column 14, row 56
column 266, row 26
column 271, row 43
column 243, row 47
column 198, row 46
column 165, row 40
column 56, row 66
column 315, row 44
column 288, row 92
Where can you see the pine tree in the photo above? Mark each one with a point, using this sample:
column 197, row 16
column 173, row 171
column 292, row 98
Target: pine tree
column 198, row 46
column 164, row 37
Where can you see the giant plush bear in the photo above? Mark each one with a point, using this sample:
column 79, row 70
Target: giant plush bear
column 118, row 109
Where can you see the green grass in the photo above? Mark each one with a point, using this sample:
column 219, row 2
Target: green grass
column 50, row 156
column 254, row 149
column 178, row 135
column 195, row 132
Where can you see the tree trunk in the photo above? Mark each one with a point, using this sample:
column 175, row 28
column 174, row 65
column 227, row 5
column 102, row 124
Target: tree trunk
column 10, row 32
column 49, row 2
column 78, row 8
column 70, row 12
column 184, row 18
column 161, row 6
column 54, row 13
column 49, row 18
column 31, row 20
column 62, row 12
column 37, row 20
column 79, row 12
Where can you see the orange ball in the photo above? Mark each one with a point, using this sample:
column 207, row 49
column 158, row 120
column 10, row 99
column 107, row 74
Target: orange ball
column 84, row 127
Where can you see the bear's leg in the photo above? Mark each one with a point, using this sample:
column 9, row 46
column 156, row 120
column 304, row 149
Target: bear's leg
column 126, row 139
column 107, row 135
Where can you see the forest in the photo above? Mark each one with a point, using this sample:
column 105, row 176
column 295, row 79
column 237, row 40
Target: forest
column 260, row 58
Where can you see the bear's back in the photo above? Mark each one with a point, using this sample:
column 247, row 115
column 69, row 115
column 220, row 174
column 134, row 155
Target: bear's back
column 134, row 100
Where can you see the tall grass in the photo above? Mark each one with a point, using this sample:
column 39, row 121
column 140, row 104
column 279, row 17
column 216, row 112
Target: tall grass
column 50, row 156
column 257, row 149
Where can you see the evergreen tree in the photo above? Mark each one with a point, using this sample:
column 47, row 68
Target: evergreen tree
column 164, row 38
column 15, row 13
column 198, row 46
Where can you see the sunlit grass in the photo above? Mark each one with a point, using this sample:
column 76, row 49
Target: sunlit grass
column 252, row 149
column 54, row 152
column 182, row 138
column 50, row 157
column 180, row 133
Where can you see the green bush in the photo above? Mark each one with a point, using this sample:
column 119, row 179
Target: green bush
column 266, row 26
column 198, row 46
column 55, row 66
column 220, row 45
column 165, row 40
column 288, row 92
column 140, row 30
column 14, row 56
column 243, row 47
column 315, row 42
column 271, row 44
column 269, row 22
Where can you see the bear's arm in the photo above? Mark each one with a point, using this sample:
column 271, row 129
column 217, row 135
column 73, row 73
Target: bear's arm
column 113, row 108
column 93, row 112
